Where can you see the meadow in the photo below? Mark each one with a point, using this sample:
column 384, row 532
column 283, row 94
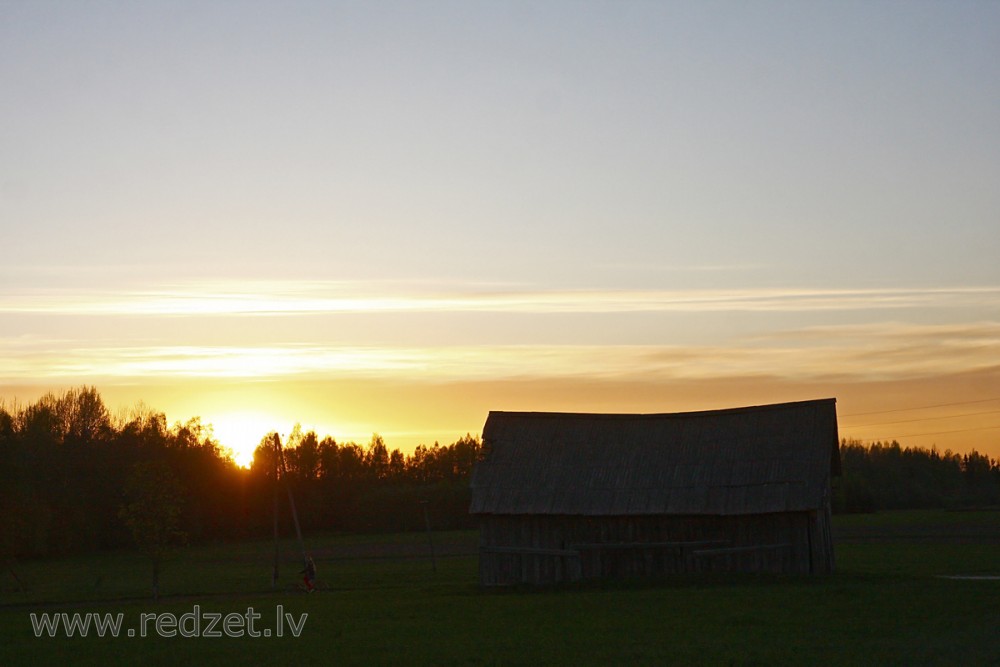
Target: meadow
column 892, row 601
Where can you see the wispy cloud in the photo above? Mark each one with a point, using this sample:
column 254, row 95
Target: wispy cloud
column 880, row 348
column 318, row 297
column 864, row 352
column 24, row 360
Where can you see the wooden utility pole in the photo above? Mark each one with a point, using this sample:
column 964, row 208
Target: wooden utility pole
column 274, row 573
column 10, row 568
column 281, row 475
column 430, row 540
column 291, row 502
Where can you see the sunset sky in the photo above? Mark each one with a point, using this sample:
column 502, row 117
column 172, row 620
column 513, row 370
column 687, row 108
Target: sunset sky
column 394, row 217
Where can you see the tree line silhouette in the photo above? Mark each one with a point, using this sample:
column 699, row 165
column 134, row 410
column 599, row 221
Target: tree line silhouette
column 71, row 476
column 885, row 475
column 67, row 465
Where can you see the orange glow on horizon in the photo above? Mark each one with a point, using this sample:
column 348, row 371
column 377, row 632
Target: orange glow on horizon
column 407, row 412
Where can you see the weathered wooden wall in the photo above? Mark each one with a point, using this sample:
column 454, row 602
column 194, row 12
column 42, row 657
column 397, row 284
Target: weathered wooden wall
column 543, row 549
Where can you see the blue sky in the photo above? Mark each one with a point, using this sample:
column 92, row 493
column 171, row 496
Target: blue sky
column 458, row 191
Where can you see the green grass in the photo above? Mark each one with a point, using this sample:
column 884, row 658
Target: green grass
column 884, row 606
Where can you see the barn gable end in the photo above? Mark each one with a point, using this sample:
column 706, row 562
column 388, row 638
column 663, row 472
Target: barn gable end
column 570, row 496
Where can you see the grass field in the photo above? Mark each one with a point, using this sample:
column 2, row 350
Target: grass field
column 381, row 603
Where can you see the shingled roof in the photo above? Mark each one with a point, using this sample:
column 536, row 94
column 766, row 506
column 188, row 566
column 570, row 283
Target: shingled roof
column 753, row 460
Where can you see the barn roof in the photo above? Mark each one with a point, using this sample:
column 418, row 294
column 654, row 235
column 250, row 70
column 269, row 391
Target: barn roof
column 753, row 460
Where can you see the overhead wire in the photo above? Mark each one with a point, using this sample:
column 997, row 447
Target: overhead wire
column 963, row 430
column 922, row 407
column 924, row 419
column 920, row 419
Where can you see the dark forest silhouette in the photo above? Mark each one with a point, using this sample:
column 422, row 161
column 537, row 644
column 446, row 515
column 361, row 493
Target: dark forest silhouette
column 889, row 476
column 66, row 465
column 68, row 470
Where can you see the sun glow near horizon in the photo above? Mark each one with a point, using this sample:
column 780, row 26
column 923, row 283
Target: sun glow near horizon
column 242, row 432
column 810, row 342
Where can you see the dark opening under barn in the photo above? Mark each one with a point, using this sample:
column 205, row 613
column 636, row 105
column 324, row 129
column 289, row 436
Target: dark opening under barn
column 564, row 497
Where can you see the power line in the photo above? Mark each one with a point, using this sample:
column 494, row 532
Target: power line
column 924, row 419
column 917, row 435
column 921, row 407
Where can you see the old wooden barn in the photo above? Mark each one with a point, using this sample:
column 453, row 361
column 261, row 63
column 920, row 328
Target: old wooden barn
column 563, row 497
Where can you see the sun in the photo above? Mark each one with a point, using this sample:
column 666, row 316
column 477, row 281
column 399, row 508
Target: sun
column 242, row 432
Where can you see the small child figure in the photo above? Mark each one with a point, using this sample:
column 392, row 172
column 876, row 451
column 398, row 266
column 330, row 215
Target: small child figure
column 309, row 575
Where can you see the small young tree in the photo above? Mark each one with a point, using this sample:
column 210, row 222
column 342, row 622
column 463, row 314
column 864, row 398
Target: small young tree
column 152, row 509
